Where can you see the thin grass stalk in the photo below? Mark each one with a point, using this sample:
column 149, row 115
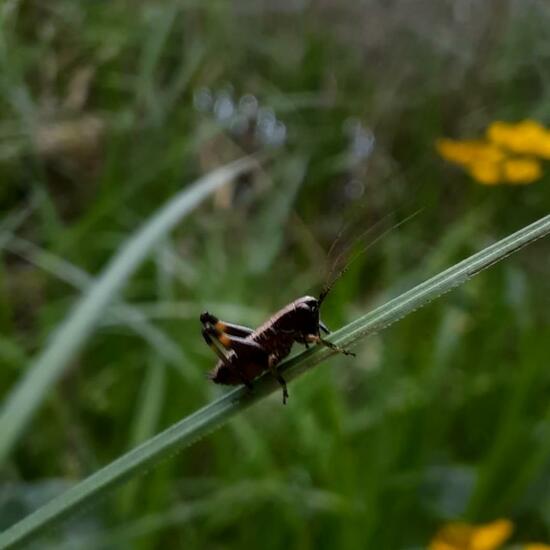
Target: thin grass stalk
column 203, row 421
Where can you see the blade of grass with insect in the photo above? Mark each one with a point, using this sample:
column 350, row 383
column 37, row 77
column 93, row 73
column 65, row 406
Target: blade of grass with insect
column 220, row 411
column 22, row 402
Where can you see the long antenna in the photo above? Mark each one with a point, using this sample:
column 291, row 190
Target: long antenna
column 336, row 261
column 328, row 286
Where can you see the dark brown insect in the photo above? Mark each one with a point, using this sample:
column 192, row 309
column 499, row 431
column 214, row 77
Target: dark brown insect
column 251, row 352
column 245, row 353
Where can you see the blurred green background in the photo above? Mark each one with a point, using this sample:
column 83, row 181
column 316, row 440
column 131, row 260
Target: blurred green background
column 107, row 109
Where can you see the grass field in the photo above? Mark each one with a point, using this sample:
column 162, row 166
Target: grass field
column 109, row 109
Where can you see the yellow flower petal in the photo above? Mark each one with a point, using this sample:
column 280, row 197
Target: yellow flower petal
column 487, row 173
column 526, row 137
column 504, row 134
column 442, row 545
column 522, row 170
column 491, row 535
column 463, row 536
column 490, row 162
column 453, row 536
column 543, row 147
column 468, row 152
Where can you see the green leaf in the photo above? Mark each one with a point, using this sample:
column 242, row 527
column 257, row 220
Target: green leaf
column 220, row 411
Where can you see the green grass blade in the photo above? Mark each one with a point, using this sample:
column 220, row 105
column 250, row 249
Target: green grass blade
column 122, row 313
column 440, row 284
column 209, row 417
column 43, row 372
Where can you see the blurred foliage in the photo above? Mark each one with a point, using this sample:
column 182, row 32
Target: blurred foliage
column 108, row 109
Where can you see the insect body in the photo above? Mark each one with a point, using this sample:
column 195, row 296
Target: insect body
column 244, row 353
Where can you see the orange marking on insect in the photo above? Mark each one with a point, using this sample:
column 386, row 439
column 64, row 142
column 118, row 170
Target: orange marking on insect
column 220, row 327
column 225, row 340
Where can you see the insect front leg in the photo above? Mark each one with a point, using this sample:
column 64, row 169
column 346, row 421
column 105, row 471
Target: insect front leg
column 306, row 337
column 318, row 339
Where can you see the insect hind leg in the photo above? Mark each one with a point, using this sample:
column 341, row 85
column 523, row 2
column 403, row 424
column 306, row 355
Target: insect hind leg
column 240, row 346
column 216, row 337
column 209, row 320
column 245, row 351
column 212, row 340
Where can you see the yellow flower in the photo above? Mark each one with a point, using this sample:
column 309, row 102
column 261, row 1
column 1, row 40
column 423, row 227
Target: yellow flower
column 488, row 173
column 527, row 137
column 499, row 160
column 463, row 536
column 468, row 152
column 512, row 171
column 521, row 170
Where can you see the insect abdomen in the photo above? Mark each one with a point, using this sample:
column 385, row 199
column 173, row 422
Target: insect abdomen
column 235, row 372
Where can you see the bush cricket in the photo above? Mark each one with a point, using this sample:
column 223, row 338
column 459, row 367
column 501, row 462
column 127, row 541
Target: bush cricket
column 251, row 352
column 245, row 353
